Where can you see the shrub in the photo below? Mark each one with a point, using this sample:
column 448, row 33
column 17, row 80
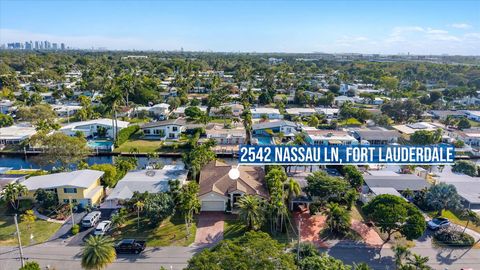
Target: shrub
column 75, row 229
column 452, row 237
column 31, row 266
column 466, row 167
column 124, row 134
column 316, row 207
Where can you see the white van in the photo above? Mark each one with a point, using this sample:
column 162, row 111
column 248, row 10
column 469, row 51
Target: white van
column 91, row 219
column 102, row 227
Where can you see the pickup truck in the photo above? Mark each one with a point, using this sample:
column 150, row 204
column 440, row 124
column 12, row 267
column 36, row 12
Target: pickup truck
column 130, row 246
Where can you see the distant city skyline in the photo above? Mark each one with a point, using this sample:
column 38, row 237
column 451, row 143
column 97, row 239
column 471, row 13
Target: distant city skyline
column 383, row 27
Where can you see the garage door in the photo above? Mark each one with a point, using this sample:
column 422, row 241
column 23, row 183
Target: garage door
column 213, row 206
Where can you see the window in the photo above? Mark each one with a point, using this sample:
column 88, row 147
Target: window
column 146, row 131
column 174, row 128
column 69, row 190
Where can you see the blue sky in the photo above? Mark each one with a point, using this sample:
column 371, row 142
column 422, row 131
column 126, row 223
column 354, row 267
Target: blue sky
column 418, row 27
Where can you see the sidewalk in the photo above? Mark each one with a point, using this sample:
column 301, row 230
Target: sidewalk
column 43, row 217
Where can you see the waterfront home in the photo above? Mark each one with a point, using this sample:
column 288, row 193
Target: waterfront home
column 237, row 110
column 82, row 186
column 469, row 136
column 218, row 192
column 376, row 137
column 226, row 136
column 6, row 106
column 409, row 129
column 16, row 134
column 161, row 130
column 158, row 111
column 330, row 113
column 288, row 128
column 151, row 181
column 301, row 112
column 97, row 128
column 443, row 114
column 473, row 115
column 270, row 113
column 315, row 136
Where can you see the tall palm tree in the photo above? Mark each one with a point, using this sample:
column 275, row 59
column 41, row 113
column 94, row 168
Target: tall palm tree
column 224, row 112
column 292, row 189
column 12, row 192
column 361, row 266
column 98, row 252
column 252, row 211
column 113, row 97
column 418, row 261
column 470, row 216
column 139, row 207
column 247, row 124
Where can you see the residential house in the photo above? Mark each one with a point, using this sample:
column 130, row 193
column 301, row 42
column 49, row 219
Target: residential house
column 288, row 128
column 376, row 137
column 66, row 110
column 330, row 113
column 220, row 193
column 301, row 112
column 409, row 129
column 473, row 115
column 443, row 114
column 469, row 136
column 158, row 111
column 270, row 113
column 226, row 136
column 180, row 111
column 328, row 137
column 82, row 186
column 6, row 106
column 168, row 129
column 342, row 99
column 151, row 181
column 237, row 110
column 102, row 128
column 16, row 134
column 6, row 179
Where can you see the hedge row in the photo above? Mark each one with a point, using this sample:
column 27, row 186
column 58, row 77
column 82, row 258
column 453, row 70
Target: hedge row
column 124, row 134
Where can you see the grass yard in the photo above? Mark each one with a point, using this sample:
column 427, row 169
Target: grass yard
column 143, row 146
column 41, row 230
column 171, row 232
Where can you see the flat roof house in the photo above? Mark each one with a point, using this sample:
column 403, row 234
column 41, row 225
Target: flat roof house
column 220, row 193
column 161, row 130
column 443, row 114
column 16, row 134
column 271, row 113
column 82, row 186
column 377, row 137
column 151, row 181
column 409, row 129
column 300, row 111
column 288, row 128
column 222, row 136
column 93, row 128
column 328, row 137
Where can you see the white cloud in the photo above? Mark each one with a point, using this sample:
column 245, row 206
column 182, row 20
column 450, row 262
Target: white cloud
column 460, row 25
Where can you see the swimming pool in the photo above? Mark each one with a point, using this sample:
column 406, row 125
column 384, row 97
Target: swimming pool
column 101, row 145
column 264, row 140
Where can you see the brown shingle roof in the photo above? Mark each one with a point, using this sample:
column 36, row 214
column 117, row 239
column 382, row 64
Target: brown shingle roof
column 214, row 178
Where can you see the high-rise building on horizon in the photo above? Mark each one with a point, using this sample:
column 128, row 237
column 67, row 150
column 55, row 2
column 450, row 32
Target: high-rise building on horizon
column 34, row 45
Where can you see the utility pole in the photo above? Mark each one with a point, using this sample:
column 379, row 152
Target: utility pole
column 298, row 241
column 71, row 211
column 19, row 241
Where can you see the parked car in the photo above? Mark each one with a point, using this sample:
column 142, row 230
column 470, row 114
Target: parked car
column 130, row 246
column 438, row 223
column 102, row 228
column 91, row 219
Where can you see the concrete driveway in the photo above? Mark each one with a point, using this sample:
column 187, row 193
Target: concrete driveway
column 209, row 228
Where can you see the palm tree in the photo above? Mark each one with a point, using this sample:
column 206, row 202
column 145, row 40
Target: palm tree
column 98, row 253
column 401, row 253
column 224, row 112
column 113, row 96
column 361, row 266
column 338, row 219
column 236, row 120
column 292, row 189
column 470, row 216
column 12, row 192
column 418, row 261
column 139, row 207
column 252, row 211
column 189, row 203
column 247, row 124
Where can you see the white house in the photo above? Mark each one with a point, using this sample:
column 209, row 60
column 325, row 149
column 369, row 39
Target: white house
column 301, row 111
column 329, row 112
column 94, row 128
column 168, row 129
column 16, row 134
column 237, row 110
column 160, row 111
column 328, row 137
column 473, row 115
column 151, row 181
column 223, row 136
column 180, row 111
column 65, row 110
column 271, row 113
column 286, row 127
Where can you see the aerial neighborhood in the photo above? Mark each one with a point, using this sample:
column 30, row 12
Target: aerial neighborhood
column 134, row 151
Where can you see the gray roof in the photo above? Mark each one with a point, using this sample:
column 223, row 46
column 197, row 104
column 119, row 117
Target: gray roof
column 81, row 179
column 273, row 124
column 399, row 182
column 468, row 190
column 445, row 113
column 178, row 122
column 152, row 181
column 377, row 134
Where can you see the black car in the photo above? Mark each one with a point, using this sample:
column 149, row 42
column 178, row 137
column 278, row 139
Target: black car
column 130, row 246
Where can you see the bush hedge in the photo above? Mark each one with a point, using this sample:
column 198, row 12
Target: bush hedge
column 451, row 237
column 124, row 134
column 75, row 229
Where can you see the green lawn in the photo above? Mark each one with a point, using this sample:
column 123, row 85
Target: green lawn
column 171, row 232
column 41, row 230
column 143, row 146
